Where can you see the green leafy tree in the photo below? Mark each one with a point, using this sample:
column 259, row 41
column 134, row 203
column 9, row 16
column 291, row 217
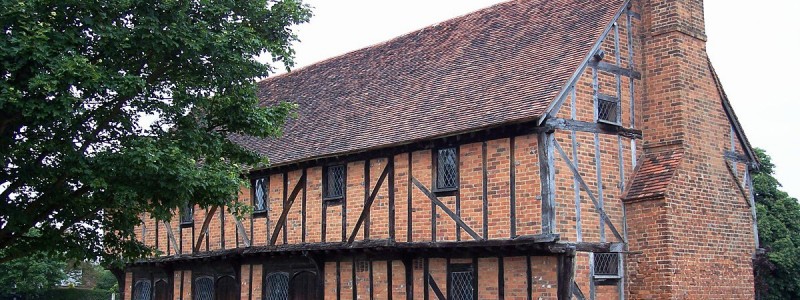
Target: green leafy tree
column 778, row 269
column 77, row 78
column 30, row 276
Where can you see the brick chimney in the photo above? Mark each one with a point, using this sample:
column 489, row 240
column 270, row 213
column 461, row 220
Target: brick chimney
column 696, row 240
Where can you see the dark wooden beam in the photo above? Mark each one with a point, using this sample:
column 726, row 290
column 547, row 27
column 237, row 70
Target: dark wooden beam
column 566, row 275
column 447, row 210
column 204, row 228
column 547, row 177
column 392, row 235
column 576, row 291
column 435, row 287
column 368, row 204
column 588, row 191
column 582, row 126
column 281, row 223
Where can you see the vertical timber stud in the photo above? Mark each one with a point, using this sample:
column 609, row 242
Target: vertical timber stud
column 391, row 207
column 632, row 66
column 425, row 279
column 303, row 208
column 409, row 199
column 354, row 282
column 389, row 279
column 528, row 281
column 367, row 163
column 547, row 175
column 285, row 203
column 409, row 272
column 512, row 188
column 566, row 274
column 474, row 278
column 501, row 282
column 458, row 192
column 595, row 91
column 338, row 280
column 485, row 193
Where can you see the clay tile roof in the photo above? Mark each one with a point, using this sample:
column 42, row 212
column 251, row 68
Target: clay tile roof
column 499, row 65
column 654, row 174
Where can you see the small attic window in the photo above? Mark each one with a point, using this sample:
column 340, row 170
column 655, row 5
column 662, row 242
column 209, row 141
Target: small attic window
column 608, row 110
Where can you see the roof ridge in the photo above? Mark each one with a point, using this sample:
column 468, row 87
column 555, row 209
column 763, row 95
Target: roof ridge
column 394, row 39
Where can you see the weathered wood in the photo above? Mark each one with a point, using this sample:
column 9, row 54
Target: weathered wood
column 616, row 70
column 281, row 223
column 204, row 228
column 501, row 278
column 426, row 278
column 588, row 191
column 475, row 275
column 566, row 275
column 582, row 126
column 409, row 198
column 529, row 278
column 368, row 204
column 575, row 185
column 242, row 233
column 547, row 177
column 303, row 208
column 389, row 279
column 353, row 279
column 736, row 157
column 338, row 280
column 598, row 247
column 365, row 222
column 447, row 210
column 171, row 237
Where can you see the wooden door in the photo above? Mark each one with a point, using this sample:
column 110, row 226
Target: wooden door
column 161, row 290
column 226, row 289
column 303, row 286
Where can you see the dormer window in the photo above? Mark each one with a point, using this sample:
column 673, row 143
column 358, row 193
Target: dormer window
column 260, row 195
column 608, row 109
column 446, row 167
column 333, row 182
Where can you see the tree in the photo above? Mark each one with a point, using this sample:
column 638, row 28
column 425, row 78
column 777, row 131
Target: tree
column 79, row 78
column 30, row 276
column 778, row 270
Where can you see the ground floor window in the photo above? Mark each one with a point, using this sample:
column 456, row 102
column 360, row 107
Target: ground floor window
column 460, row 287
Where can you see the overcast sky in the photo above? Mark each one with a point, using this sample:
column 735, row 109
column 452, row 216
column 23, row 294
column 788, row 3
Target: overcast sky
column 753, row 46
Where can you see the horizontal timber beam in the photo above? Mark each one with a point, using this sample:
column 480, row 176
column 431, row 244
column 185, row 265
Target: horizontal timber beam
column 616, row 70
column 581, row 126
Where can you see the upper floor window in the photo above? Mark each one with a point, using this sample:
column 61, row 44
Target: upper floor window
column 333, row 182
column 446, row 169
column 260, row 195
column 606, row 265
column 608, row 110
column 187, row 214
column 461, row 282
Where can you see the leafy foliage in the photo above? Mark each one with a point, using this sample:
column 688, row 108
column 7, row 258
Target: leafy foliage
column 78, row 81
column 30, row 276
column 778, row 271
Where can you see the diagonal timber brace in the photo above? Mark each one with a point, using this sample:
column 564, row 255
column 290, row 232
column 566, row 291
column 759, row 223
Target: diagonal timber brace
column 204, row 229
column 243, row 233
column 447, row 210
column 585, row 187
column 368, row 204
column 172, row 238
column 282, row 220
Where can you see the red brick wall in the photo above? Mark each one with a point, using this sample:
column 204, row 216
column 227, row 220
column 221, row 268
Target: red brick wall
column 697, row 241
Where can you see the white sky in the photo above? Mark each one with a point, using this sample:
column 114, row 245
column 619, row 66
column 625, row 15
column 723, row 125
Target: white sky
column 753, row 46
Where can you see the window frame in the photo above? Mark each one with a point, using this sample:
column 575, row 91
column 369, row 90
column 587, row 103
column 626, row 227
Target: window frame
column 617, row 112
column 619, row 270
column 435, row 171
column 182, row 212
column 254, row 183
column 326, row 177
column 460, row 268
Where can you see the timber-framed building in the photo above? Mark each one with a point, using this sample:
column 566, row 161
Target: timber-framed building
column 535, row 149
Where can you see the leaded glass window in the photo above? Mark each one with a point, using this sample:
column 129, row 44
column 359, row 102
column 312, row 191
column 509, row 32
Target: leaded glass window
column 446, row 170
column 276, row 286
column 606, row 265
column 334, row 182
column 187, row 214
column 608, row 110
column 260, row 195
column 141, row 290
column 461, row 277
column 204, row 288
